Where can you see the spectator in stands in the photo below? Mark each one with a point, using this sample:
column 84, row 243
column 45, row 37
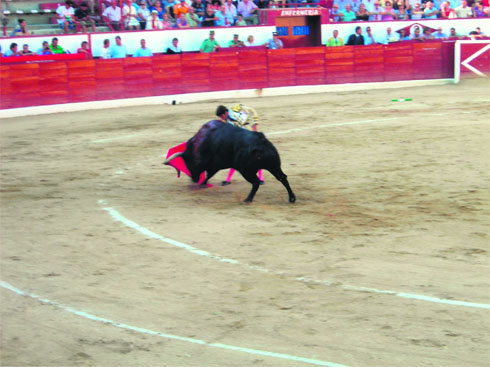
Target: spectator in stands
column 369, row 5
column 44, row 50
column 158, row 6
column 55, row 47
column 209, row 18
column 118, row 51
column 274, row 43
column 209, row 44
column 106, row 50
column 84, row 49
column 335, row 40
column 403, row 35
column 82, row 18
column 453, row 34
column 231, row 9
column 357, row 38
column 439, row 34
column 180, row 8
column 389, row 13
column 377, row 11
column 479, row 32
column 21, row 29
column 478, row 10
column 446, row 11
column 249, row 11
column 192, row 18
column 130, row 16
column 336, row 15
column 223, row 19
column 26, row 52
column 154, row 23
column 143, row 51
column 390, row 36
column 143, row 14
column 362, row 13
column 464, row 11
column 166, row 23
column 417, row 12
column 216, row 4
column 174, row 48
column 430, row 12
column 199, row 8
column 417, row 36
column 349, row 15
column 428, row 34
column 12, row 51
column 250, row 41
column 401, row 12
column 235, row 42
column 112, row 16
column 1, row 53
column 64, row 15
column 181, row 22
column 240, row 21
column 263, row 4
column 369, row 38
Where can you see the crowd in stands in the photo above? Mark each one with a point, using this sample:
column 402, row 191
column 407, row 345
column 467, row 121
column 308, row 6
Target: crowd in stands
column 426, row 34
column 118, row 50
column 373, row 10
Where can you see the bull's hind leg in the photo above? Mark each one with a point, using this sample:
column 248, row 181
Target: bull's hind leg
column 254, row 180
column 281, row 177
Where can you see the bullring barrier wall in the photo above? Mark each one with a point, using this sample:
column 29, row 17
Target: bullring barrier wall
column 36, row 84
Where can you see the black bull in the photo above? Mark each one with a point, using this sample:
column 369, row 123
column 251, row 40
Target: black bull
column 219, row 145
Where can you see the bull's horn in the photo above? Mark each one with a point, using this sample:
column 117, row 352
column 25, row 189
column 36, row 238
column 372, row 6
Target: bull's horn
column 173, row 156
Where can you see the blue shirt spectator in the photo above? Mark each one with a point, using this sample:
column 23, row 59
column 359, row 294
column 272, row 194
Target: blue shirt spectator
column 118, row 51
column 143, row 51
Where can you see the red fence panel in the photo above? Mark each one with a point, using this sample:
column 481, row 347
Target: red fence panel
column 427, row 60
column 223, row 70
column 310, row 65
column 109, row 76
column 167, row 75
column 81, row 80
column 138, row 77
column 398, row 60
column 195, row 73
column 252, row 69
column 339, row 65
column 369, row 64
column 281, row 67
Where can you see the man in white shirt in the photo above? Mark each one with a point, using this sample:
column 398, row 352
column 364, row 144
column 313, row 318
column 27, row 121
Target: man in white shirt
column 106, row 51
column 249, row 11
column 464, row 11
column 112, row 15
column 64, row 15
column 391, row 36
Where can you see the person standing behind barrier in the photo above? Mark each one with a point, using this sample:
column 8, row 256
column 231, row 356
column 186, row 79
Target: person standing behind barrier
column 143, row 51
column 357, row 38
column 249, row 11
column 274, row 43
column 106, row 51
column 84, row 49
column 209, row 44
column 335, row 40
column 240, row 116
column 44, row 50
column 55, row 47
column 118, row 51
column 369, row 39
column 174, row 48
column 12, row 51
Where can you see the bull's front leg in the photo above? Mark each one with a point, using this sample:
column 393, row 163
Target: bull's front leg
column 209, row 174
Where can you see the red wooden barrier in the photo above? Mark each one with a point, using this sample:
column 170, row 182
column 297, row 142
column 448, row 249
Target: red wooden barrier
column 89, row 80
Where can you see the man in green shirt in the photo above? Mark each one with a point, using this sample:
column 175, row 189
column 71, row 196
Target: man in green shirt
column 235, row 42
column 55, row 48
column 335, row 40
column 209, row 44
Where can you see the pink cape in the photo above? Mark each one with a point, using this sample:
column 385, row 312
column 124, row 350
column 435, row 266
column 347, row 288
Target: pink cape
column 179, row 164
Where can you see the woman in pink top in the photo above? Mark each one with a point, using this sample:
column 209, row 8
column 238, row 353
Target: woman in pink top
column 389, row 13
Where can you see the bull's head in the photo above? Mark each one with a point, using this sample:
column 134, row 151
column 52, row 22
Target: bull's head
column 189, row 162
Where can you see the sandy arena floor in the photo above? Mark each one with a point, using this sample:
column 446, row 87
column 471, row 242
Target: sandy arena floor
column 391, row 197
